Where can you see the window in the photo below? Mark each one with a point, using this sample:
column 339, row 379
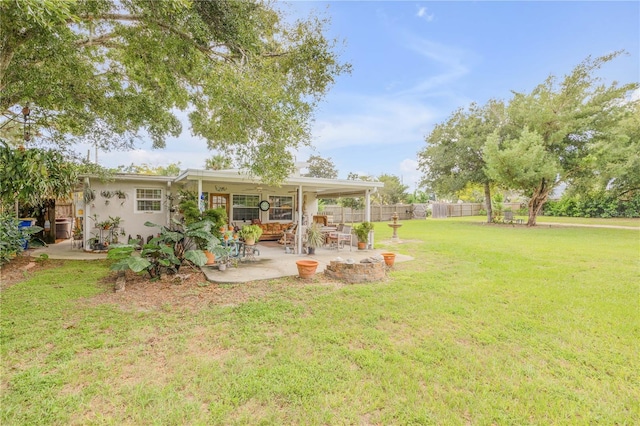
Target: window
column 148, row 200
column 281, row 208
column 245, row 207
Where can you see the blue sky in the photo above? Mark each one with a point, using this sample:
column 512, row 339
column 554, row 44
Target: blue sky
column 414, row 63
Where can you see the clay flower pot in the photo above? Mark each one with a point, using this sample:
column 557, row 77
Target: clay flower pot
column 307, row 268
column 211, row 258
column 389, row 258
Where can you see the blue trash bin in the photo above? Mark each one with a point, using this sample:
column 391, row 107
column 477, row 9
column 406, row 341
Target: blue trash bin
column 25, row 223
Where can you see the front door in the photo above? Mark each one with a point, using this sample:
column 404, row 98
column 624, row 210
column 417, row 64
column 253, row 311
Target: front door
column 220, row 200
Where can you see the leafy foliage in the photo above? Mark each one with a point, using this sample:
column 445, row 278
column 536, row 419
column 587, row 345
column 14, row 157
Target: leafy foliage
column 110, row 72
column 393, row 191
column 167, row 252
column 599, row 204
column 13, row 237
column 576, row 131
column 362, row 231
column 34, row 175
column 321, row 168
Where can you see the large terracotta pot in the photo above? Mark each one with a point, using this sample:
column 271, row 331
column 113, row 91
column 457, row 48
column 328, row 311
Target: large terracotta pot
column 362, row 245
column 389, row 258
column 211, row 258
column 306, row 268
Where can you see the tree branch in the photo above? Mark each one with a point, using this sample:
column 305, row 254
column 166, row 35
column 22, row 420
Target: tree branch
column 207, row 50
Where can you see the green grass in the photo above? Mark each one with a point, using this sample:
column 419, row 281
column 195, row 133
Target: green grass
column 489, row 325
column 541, row 220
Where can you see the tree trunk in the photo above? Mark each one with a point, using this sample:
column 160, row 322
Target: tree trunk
column 538, row 198
column 487, row 201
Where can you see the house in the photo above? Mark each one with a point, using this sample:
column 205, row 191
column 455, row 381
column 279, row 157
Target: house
column 137, row 199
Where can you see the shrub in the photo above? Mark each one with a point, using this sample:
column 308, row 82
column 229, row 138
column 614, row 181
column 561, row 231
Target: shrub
column 362, row 231
column 13, row 237
column 167, row 252
column 600, row 204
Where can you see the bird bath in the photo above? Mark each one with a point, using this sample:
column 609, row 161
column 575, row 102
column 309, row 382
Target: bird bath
column 395, row 225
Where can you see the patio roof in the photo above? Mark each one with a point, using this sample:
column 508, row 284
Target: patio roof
column 324, row 188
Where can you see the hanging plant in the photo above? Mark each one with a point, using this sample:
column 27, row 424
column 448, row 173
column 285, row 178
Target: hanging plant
column 88, row 194
column 121, row 195
column 107, row 195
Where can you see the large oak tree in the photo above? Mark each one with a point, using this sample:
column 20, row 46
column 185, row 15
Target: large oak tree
column 453, row 157
column 112, row 72
column 554, row 134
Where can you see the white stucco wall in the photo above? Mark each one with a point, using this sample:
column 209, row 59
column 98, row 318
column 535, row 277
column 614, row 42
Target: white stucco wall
column 132, row 221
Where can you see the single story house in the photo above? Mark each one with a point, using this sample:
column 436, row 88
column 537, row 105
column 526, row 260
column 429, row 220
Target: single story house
column 137, row 199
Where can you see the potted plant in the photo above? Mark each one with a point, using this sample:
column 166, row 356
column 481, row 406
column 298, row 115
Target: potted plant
column 250, row 234
column 306, row 268
column 315, row 237
column 362, row 233
column 389, row 258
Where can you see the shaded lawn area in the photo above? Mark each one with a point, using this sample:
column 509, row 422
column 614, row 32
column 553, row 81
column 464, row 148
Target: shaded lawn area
column 490, row 324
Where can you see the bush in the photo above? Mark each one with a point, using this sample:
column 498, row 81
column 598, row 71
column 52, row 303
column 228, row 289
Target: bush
column 168, row 251
column 12, row 237
column 600, row 204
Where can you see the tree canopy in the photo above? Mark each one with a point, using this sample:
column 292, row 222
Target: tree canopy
column 113, row 72
column 554, row 133
column 33, row 176
column 321, row 168
column 453, row 157
column 575, row 131
column 393, row 192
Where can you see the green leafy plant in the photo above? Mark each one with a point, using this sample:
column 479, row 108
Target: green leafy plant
column 167, row 252
column 315, row 237
column 362, row 231
column 13, row 238
column 251, row 232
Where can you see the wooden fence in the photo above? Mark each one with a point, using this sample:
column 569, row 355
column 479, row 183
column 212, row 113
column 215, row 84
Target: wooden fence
column 383, row 213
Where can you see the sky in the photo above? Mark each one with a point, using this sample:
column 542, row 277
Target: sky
column 415, row 62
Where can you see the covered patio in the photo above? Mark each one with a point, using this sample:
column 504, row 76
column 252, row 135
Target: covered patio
column 294, row 201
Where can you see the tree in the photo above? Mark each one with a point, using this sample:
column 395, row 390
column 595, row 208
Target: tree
column 172, row 169
column 453, row 157
column 617, row 165
column 553, row 132
column 321, row 168
column 33, row 176
column 111, row 72
column 358, row 202
column 393, row 191
column 218, row 162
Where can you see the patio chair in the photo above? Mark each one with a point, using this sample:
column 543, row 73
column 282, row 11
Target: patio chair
column 340, row 237
column 289, row 239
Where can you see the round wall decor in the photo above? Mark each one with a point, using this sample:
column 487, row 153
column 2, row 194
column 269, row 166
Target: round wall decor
column 264, row 205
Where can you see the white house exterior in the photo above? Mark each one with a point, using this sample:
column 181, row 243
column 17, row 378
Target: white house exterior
column 147, row 198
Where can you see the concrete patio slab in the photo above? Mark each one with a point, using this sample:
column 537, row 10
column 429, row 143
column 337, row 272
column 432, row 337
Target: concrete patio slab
column 272, row 262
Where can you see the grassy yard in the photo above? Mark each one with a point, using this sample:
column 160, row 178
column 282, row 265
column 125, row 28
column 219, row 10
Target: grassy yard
column 489, row 325
column 542, row 220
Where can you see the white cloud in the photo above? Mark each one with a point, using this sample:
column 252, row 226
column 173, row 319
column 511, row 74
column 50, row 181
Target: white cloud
column 410, row 173
column 373, row 120
column 452, row 60
column 422, row 13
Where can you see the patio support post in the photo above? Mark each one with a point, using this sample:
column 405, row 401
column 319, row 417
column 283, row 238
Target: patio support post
column 200, row 203
column 299, row 231
column 85, row 220
column 367, row 214
column 168, row 218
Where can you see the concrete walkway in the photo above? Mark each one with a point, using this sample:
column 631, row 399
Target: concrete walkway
column 272, row 262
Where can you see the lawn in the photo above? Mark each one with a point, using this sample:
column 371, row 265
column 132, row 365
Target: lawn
column 488, row 325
